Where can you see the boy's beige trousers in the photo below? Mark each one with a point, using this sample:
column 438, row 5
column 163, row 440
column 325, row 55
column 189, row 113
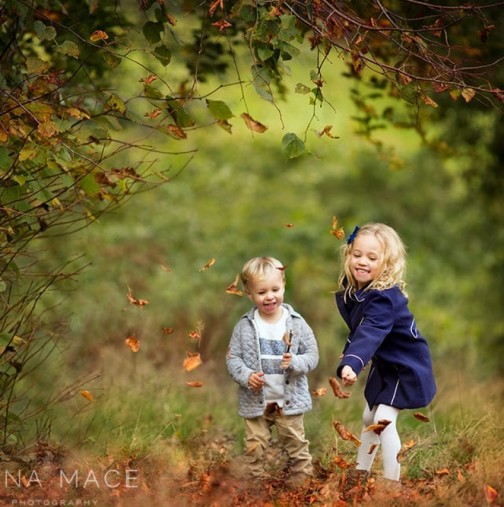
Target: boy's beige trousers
column 291, row 435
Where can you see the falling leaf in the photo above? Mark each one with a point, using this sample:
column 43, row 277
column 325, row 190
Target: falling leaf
column 342, row 463
column 232, row 288
column 491, row 494
column 336, row 231
column 165, row 268
column 138, row 302
column 133, row 343
column 289, row 226
column 149, row 79
column 98, row 35
column 214, row 5
column 327, row 131
column 154, row 113
column 378, row 428
column 192, row 361
column 87, row 395
column 421, row 417
column 195, row 383
column 167, row 330
column 336, row 388
column 252, row 124
column 372, row 448
column 195, row 334
column 319, row 392
column 208, row 265
column 404, row 449
column 222, row 25
column 345, row 434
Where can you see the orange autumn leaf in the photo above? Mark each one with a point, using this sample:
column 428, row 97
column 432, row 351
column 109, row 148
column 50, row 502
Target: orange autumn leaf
column 372, row 449
column 195, row 383
column 195, row 334
column 421, row 417
column 342, row 463
column 232, row 288
column 378, row 428
column 214, row 5
column 288, row 226
column 154, row 113
column 336, row 388
column 491, row 494
column 208, row 265
column 87, row 395
column 149, row 79
column 167, row 330
column 345, row 434
column 336, row 231
column 320, row 391
column 443, row 471
column 252, row 124
column 327, row 132
column 133, row 343
column 138, row 302
column 98, row 35
column 404, row 449
column 192, row 361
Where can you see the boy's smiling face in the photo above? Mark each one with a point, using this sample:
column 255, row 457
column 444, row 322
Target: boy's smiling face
column 267, row 294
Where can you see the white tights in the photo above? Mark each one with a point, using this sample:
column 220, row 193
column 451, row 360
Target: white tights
column 388, row 438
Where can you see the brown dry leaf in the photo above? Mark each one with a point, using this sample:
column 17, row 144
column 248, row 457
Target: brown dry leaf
column 232, row 288
column 192, row 361
column 214, row 5
column 345, row 434
column 372, row 448
column 327, row 132
column 468, row 94
column 421, row 417
column 195, row 383
column 404, row 449
column 336, row 231
column 176, row 132
column 154, row 113
column 342, row 463
column 133, row 343
column 378, row 428
column 252, row 124
column 208, row 265
column 87, row 395
column 138, row 302
column 195, row 334
column 251, row 448
column 319, row 392
column 336, row 388
column 288, row 226
column 443, row 471
column 491, row 494
column 428, row 101
column 165, row 268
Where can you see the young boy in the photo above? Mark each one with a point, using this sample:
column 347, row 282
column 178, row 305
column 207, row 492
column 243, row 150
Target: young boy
column 271, row 350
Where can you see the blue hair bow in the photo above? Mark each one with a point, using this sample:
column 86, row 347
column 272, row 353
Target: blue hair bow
column 352, row 236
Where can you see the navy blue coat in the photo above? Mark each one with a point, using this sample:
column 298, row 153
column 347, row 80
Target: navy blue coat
column 383, row 330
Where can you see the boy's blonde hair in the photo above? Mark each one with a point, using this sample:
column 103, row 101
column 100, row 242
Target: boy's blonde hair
column 259, row 268
column 393, row 267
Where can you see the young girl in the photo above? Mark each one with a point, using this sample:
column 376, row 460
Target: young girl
column 272, row 374
column 374, row 305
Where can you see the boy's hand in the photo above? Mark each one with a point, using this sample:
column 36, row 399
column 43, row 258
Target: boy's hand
column 286, row 360
column 348, row 376
column 256, row 381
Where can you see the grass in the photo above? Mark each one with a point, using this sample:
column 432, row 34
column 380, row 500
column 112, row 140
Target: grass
column 185, row 443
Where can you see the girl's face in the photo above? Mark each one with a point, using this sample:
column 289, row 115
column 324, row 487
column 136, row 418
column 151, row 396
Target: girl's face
column 267, row 295
column 365, row 260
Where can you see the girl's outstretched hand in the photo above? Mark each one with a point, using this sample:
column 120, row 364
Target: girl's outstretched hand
column 348, row 376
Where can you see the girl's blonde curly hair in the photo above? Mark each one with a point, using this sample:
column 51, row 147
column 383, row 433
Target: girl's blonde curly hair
column 393, row 267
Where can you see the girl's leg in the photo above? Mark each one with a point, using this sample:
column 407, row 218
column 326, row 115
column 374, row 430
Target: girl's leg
column 390, row 441
column 370, row 441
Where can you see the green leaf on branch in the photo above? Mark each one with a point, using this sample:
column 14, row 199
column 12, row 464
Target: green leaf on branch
column 152, row 31
column 219, row 110
column 163, row 54
column 69, row 48
column 44, row 32
column 293, row 146
column 90, row 185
